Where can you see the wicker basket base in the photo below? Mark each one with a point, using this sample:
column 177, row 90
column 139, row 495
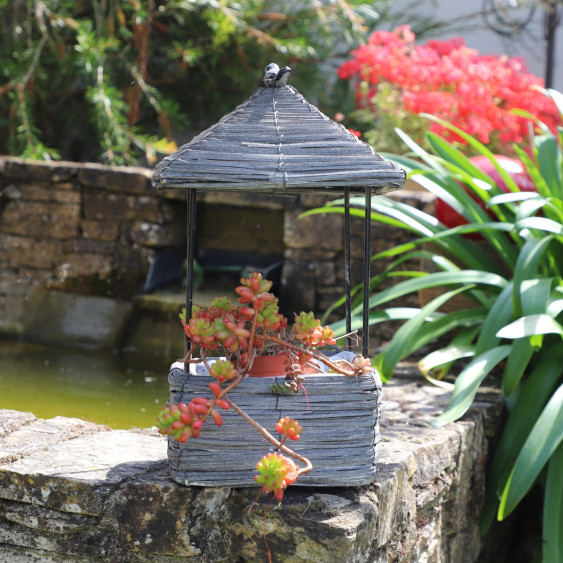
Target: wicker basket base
column 340, row 434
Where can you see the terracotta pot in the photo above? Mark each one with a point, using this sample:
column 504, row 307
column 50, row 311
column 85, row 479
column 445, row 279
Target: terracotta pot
column 273, row 366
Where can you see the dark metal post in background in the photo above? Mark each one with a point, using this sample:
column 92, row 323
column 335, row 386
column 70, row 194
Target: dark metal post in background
column 552, row 20
column 192, row 192
column 367, row 272
column 347, row 268
column 511, row 18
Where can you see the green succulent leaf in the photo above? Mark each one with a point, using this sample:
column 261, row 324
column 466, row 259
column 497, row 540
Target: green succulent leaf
column 468, row 381
column 552, row 537
column 530, row 325
column 543, row 440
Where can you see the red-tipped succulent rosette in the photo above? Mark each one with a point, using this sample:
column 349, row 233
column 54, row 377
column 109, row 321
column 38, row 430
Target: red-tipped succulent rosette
column 309, row 331
column 289, row 427
column 242, row 330
column 276, row 473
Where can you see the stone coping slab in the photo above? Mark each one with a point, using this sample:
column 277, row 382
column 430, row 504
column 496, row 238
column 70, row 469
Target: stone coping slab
column 72, row 490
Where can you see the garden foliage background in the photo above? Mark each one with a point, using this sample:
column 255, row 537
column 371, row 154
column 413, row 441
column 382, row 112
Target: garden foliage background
column 119, row 82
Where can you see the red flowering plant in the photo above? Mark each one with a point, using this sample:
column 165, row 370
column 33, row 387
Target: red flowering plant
column 395, row 80
column 242, row 332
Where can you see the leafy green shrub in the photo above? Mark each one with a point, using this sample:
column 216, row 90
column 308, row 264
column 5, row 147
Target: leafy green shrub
column 516, row 323
column 109, row 81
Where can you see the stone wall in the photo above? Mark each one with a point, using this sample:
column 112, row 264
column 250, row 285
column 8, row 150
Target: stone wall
column 82, row 228
column 71, row 490
column 314, row 265
column 92, row 231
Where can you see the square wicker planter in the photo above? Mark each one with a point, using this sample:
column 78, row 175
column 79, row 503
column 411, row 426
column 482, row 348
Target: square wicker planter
column 339, row 415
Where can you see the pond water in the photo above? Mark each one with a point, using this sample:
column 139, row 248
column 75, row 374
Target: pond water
column 118, row 389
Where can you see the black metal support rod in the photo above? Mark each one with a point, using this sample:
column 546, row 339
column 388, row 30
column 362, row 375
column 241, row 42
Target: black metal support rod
column 347, row 268
column 367, row 273
column 192, row 192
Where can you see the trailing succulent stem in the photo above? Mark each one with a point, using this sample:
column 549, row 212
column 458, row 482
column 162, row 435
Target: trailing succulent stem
column 242, row 333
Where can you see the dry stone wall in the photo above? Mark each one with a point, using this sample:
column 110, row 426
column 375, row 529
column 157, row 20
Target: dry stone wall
column 80, row 228
column 71, row 490
column 314, row 265
column 93, row 231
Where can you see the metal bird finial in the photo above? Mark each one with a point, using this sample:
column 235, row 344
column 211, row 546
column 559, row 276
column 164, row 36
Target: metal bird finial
column 270, row 73
column 274, row 77
column 281, row 78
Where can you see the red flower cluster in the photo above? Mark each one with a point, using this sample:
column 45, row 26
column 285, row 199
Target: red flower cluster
column 448, row 79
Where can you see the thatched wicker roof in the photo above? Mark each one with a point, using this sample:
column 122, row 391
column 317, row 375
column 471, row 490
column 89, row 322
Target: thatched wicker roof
column 277, row 142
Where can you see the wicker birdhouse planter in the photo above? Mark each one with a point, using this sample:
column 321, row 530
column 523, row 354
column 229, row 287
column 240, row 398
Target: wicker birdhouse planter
column 278, row 143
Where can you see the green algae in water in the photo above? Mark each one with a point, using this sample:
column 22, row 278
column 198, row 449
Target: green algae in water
column 121, row 390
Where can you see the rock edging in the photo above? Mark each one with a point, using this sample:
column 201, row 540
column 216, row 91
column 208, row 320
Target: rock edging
column 74, row 490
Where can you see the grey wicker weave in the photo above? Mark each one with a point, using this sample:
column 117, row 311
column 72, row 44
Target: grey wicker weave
column 340, row 435
column 278, row 143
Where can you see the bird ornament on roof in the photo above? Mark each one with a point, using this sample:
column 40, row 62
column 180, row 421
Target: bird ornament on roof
column 276, row 77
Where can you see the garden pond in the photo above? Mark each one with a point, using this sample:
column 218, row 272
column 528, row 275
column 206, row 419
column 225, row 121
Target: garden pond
column 121, row 390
